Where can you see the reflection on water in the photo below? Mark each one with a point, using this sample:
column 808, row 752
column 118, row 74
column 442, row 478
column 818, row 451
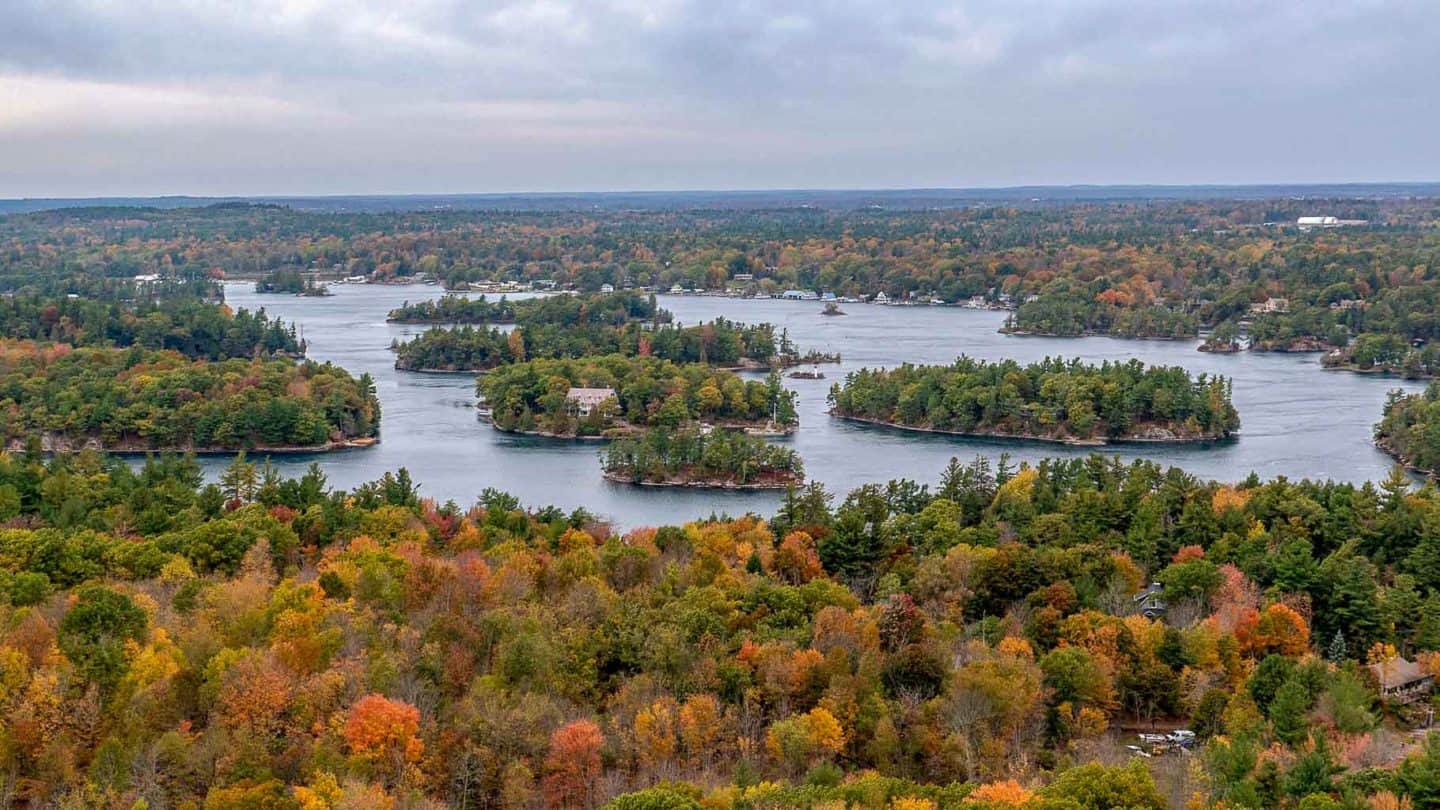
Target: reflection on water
column 1297, row 419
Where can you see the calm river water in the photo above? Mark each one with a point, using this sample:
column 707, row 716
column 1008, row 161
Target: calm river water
column 1297, row 419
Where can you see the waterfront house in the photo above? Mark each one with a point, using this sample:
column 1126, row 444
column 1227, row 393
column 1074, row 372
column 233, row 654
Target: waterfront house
column 1271, row 305
column 1402, row 681
column 585, row 400
column 881, row 298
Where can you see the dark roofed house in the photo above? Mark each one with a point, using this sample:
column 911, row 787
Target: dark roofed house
column 1150, row 602
column 1402, row 681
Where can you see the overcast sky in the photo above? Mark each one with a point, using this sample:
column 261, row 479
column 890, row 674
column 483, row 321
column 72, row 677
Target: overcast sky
column 139, row 97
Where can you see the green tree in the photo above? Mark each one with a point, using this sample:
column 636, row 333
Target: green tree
column 93, row 633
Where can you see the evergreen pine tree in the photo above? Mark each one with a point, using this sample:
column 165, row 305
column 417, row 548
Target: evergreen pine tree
column 1335, row 653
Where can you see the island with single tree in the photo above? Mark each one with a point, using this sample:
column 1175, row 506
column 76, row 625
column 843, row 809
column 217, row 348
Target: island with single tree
column 1052, row 400
column 691, row 457
column 617, row 395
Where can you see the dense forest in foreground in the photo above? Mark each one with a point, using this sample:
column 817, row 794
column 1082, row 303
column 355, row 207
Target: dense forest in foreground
column 270, row 642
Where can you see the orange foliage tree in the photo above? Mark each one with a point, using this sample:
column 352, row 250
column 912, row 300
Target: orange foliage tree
column 1276, row 629
column 572, row 765
column 383, row 731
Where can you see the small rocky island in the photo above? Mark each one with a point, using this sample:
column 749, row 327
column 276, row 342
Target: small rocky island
column 699, row 457
column 1054, row 400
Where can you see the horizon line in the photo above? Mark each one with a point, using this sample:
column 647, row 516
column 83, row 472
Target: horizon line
column 1024, row 187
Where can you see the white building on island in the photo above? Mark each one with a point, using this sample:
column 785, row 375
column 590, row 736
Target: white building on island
column 585, row 400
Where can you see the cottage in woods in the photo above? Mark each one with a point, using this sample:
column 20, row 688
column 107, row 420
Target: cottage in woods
column 1150, row 602
column 1402, row 681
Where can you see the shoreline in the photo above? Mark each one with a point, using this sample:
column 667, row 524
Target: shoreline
column 1376, row 371
column 48, row 445
column 1073, row 442
column 449, row 323
column 1031, row 333
column 631, row 431
column 465, row 371
column 673, row 483
column 1382, row 444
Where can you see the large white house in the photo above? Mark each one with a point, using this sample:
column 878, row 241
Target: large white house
column 585, row 400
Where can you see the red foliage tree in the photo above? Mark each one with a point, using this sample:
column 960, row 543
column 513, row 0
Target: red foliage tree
column 572, row 766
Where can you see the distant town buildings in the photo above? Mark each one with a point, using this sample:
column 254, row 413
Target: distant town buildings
column 1308, row 223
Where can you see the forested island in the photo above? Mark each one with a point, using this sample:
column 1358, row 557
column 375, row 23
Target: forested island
column 537, row 397
column 136, row 399
column 1052, row 400
column 614, row 309
column 291, row 281
column 689, row 457
column 272, row 642
column 721, row 342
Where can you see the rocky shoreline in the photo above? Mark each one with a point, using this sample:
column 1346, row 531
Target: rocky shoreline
column 51, row 443
column 1035, row 333
column 691, row 483
column 1153, row 435
column 399, row 367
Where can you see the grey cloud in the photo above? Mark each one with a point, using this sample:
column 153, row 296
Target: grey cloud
column 365, row 95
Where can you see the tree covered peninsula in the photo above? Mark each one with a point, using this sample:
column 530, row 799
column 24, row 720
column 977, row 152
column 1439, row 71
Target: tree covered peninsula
column 533, row 397
column 1409, row 428
column 138, row 399
column 1052, row 400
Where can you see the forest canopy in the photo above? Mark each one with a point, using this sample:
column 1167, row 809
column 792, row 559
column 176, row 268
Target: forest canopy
column 269, row 641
